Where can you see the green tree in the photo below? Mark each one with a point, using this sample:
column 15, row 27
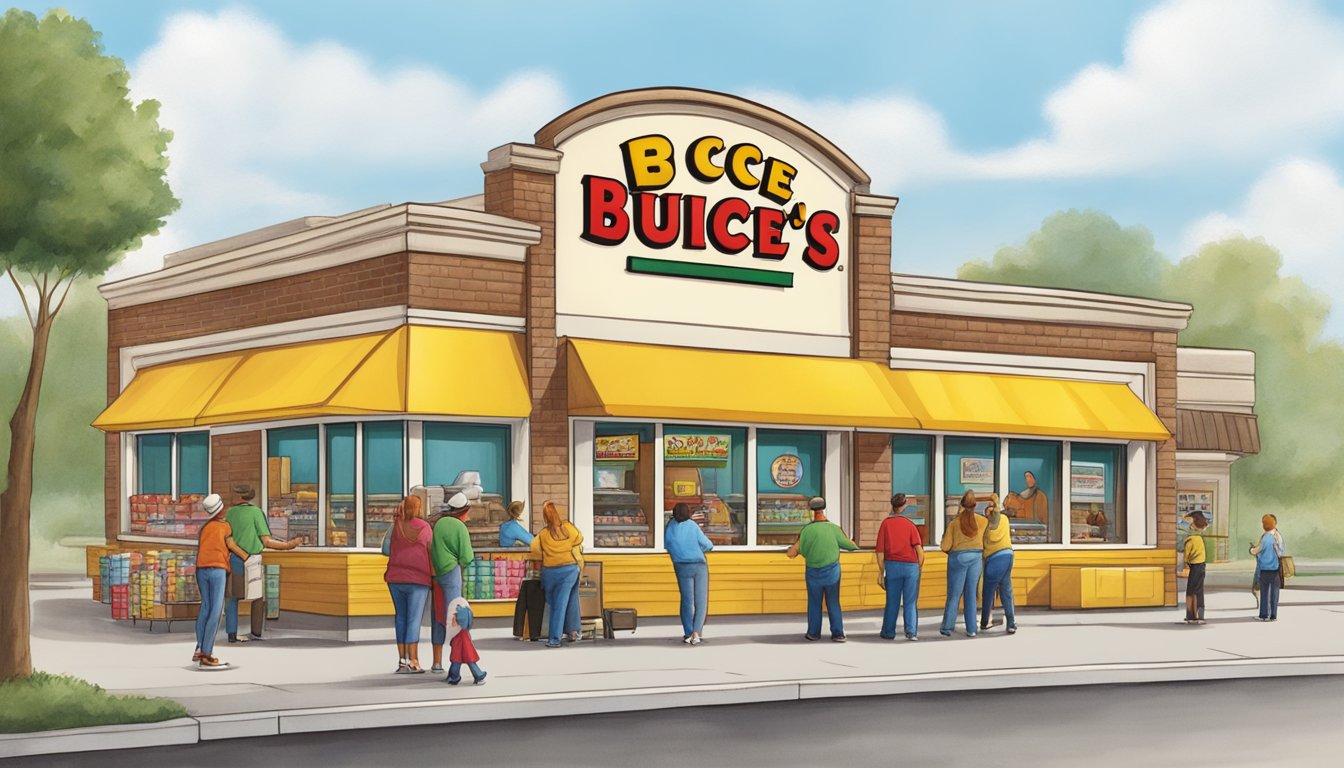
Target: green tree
column 82, row 180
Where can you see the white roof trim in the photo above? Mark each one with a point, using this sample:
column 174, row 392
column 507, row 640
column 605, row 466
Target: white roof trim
column 378, row 232
column 963, row 298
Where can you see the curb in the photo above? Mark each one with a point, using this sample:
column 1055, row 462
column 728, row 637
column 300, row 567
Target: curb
column 191, row 730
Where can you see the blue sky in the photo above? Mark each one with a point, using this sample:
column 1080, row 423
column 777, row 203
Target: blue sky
column 1192, row 118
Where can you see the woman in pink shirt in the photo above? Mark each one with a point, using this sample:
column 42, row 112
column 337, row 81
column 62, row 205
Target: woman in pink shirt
column 408, row 577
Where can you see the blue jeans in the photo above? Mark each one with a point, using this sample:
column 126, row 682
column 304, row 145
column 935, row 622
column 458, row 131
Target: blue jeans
column 211, row 583
column 1269, row 594
column 451, row 585
column 455, row 671
column 963, row 577
column 409, row 601
column 902, row 586
column 998, row 577
column 231, row 605
column 693, row 581
column 561, row 585
column 824, row 584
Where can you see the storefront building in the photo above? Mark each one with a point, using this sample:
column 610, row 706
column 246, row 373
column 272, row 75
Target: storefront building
column 670, row 295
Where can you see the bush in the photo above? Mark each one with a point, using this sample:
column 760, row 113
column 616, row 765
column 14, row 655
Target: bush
column 46, row 702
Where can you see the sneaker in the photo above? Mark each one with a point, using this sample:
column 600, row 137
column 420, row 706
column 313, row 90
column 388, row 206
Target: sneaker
column 838, row 638
column 436, row 668
column 686, row 639
column 253, row 638
column 210, row 662
column 452, row 680
column 552, row 645
column 945, row 632
column 1012, row 630
column 695, row 640
column 480, row 680
column 811, row 638
column 886, row 637
column 970, row 634
column 238, row 638
column 1200, row 621
column 912, row 638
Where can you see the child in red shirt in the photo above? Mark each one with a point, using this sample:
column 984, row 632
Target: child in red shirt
column 460, row 648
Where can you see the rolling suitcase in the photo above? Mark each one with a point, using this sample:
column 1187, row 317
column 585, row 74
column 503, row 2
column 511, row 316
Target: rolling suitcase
column 529, row 610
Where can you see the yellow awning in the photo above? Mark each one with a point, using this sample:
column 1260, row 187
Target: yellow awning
column 636, row 380
column 946, row 401
column 411, row 370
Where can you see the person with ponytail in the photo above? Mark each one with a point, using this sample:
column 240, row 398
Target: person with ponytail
column 998, row 568
column 408, row 576
column 963, row 541
column 559, row 547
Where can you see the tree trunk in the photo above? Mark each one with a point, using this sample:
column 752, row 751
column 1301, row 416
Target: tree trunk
column 16, row 658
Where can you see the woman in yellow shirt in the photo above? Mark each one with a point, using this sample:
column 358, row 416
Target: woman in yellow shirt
column 998, row 567
column 559, row 547
column 963, row 541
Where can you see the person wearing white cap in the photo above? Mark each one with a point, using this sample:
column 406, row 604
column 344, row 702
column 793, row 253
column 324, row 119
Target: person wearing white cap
column 212, row 567
column 449, row 551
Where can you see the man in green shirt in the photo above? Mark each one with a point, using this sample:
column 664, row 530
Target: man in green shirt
column 820, row 543
column 252, row 534
column 449, row 552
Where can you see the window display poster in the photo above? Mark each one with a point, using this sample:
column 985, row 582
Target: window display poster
column 786, row 470
column 1089, row 481
column 977, row 471
column 616, row 447
column 701, row 447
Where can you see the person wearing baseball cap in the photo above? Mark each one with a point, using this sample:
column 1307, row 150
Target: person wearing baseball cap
column 252, row 534
column 820, row 543
column 449, row 552
column 214, row 546
column 1195, row 559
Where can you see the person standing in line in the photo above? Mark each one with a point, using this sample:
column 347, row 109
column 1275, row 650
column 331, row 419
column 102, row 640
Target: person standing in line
column 1195, row 559
column 409, row 575
column 900, row 559
column 1268, row 558
column 998, row 543
column 1255, row 578
column 450, row 551
column 212, row 568
column 512, row 532
column 963, row 541
column 559, row 547
column 820, row 543
column 687, row 544
column 460, row 648
column 252, row 534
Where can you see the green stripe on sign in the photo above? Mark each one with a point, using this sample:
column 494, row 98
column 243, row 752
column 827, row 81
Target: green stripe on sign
column 718, row 272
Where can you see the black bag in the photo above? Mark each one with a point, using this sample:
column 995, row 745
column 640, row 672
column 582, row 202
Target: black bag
column 528, row 610
column 622, row 619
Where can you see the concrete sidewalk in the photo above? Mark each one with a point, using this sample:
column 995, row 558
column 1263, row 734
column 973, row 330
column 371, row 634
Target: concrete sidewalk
column 291, row 684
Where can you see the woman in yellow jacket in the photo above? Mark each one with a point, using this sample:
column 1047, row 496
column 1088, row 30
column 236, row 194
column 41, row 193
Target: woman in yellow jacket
column 559, row 547
column 998, row 567
column 963, row 541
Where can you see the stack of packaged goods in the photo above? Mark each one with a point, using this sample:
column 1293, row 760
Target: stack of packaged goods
column 293, row 516
column 481, row 576
column 121, row 601
column 509, row 578
column 157, row 514
column 272, row 591
column 104, row 586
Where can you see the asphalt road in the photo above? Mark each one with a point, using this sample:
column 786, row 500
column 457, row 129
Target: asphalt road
column 1253, row 722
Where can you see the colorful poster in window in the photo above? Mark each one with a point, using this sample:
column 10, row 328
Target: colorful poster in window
column 616, row 447
column 1089, row 481
column 977, row 471
column 786, row 470
column 704, row 447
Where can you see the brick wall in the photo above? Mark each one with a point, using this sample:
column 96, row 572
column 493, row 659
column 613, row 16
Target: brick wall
column 872, row 470
column 465, row 284
column 1164, row 350
column 530, row 196
column 234, row 459
column 871, row 293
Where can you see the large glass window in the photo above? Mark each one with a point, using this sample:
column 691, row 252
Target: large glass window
column 460, row 456
column 193, row 463
column 789, row 471
column 970, row 463
column 341, row 509
column 1033, row 500
column 624, row 457
column 706, row 467
column 154, row 464
column 1097, row 494
column 291, row 484
column 164, row 502
column 384, row 477
column 912, row 474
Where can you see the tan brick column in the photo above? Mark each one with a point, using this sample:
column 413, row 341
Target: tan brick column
column 520, row 184
column 870, row 326
column 1164, row 354
column 234, row 459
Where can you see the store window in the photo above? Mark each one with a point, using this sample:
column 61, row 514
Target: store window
column 624, row 457
column 341, row 509
column 1097, row 494
column 384, row 477
column 970, row 463
column 291, row 484
column 706, row 467
column 789, row 471
column 165, row 502
column 912, row 474
column 460, row 457
column 1033, row 498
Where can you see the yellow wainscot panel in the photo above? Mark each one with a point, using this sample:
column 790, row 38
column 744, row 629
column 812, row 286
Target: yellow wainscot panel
column 1106, row 585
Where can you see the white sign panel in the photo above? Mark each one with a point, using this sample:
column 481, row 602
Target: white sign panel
column 701, row 231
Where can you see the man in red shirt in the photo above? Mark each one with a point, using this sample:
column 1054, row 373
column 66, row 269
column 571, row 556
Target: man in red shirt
column 900, row 557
